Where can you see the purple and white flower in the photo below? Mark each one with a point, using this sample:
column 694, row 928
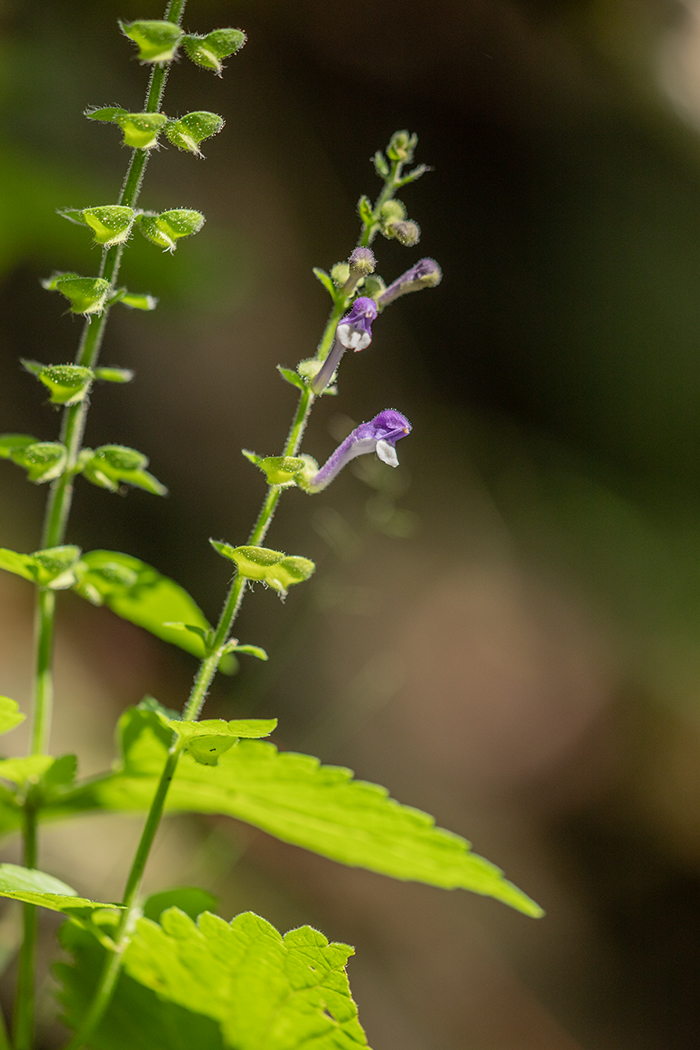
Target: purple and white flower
column 379, row 435
column 354, row 332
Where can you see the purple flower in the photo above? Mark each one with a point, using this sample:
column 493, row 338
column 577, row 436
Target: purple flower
column 425, row 274
column 354, row 332
column 379, row 435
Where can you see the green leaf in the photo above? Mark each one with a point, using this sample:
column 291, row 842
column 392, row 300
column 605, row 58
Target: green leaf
column 43, row 460
column 250, row 650
column 364, row 210
column 291, row 377
column 157, row 41
column 114, row 375
column 68, row 384
column 22, row 770
column 10, row 442
column 139, row 302
column 110, row 466
column 206, row 740
column 300, row 801
column 50, row 776
column 107, row 113
column 55, row 567
column 35, row 887
column 140, row 130
column 20, row 564
column 208, row 51
column 86, row 295
column 138, row 593
column 111, row 224
column 136, row 1018
column 325, row 280
column 10, row 714
column 274, row 568
column 170, row 226
column 187, row 132
column 73, row 215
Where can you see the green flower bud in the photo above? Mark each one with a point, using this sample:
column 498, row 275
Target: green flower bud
column 168, row 227
column 140, row 129
column 392, row 211
column 157, row 41
column 110, row 466
column 208, row 51
column 340, row 274
column 187, row 132
column 43, row 461
column 402, row 146
column 380, row 165
column 112, row 224
column 273, row 568
column 407, row 233
column 86, row 295
column 68, row 384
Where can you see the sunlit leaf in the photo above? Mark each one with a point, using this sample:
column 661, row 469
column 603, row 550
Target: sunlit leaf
column 36, row 887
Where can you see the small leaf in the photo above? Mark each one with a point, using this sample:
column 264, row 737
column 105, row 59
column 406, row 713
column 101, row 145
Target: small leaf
column 73, row 215
column 139, row 302
column 107, row 113
column 252, row 457
column 325, row 280
column 68, row 384
column 43, row 460
column 208, row 51
column 19, row 564
column 10, row 714
column 291, row 377
column 86, row 295
column 250, row 650
column 35, row 887
column 380, row 164
column 187, row 132
column 111, row 224
column 364, row 210
column 141, row 130
column 157, row 41
column 273, row 568
column 114, row 375
column 168, row 227
column 110, row 466
column 11, row 442
column 415, row 174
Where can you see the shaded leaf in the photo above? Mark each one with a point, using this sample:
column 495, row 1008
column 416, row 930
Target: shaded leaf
column 36, row 887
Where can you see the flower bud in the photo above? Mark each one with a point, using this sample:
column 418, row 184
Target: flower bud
column 407, row 233
column 362, row 261
column 140, row 129
column 425, row 274
column 354, row 332
column 111, row 224
column 68, row 384
column 110, row 466
column 157, row 41
column 340, row 274
column 86, row 295
column 187, row 132
column 392, row 211
column 208, row 51
column 401, row 146
column 170, row 226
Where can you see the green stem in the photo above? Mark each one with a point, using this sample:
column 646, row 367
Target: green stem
column 4, row 1037
column 391, row 185
column 53, row 534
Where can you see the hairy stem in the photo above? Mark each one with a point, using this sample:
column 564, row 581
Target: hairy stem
column 391, row 185
column 53, row 534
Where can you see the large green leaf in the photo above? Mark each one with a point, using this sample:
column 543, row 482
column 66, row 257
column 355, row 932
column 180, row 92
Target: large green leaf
column 267, row 992
column 36, row 887
column 295, row 798
column 139, row 593
column 136, row 1018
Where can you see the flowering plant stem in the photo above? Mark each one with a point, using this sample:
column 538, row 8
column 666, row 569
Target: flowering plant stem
column 53, row 534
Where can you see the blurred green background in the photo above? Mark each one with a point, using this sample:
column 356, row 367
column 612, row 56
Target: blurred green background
column 506, row 631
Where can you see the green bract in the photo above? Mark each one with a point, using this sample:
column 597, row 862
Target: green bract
column 114, row 375
column 43, row 460
column 274, row 568
column 207, row 739
column 112, row 223
column 53, row 567
column 170, row 226
column 279, row 470
column 140, row 129
column 208, row 51
column 157, row 41
column 187, row 132
column 68, row 384
column 113, row 465
column 86, row 295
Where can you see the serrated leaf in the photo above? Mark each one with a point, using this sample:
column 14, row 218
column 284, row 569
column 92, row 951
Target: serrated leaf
column 291, row 377
column 10, row 714
column 298, row 800
column 36, row 887
column 139, row 593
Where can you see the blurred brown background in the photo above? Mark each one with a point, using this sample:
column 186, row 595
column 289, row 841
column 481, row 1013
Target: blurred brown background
column 505, row 631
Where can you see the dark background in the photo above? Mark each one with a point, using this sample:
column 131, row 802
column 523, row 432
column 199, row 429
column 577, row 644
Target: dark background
column 504, row 631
